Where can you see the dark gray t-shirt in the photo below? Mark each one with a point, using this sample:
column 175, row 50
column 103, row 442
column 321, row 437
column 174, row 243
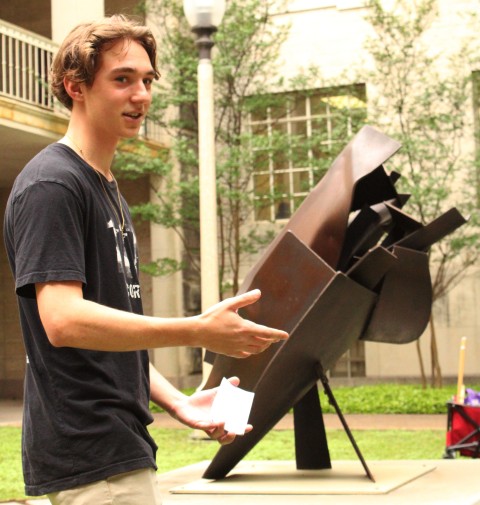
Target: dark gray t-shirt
column 85, row 412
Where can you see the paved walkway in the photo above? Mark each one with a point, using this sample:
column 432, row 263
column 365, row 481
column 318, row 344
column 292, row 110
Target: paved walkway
column 11, row 415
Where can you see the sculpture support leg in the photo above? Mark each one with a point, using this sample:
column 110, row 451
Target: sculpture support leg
column 333, row 402
column 311, row 446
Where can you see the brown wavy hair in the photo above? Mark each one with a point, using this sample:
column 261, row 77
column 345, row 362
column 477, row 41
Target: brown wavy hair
column 79, row 56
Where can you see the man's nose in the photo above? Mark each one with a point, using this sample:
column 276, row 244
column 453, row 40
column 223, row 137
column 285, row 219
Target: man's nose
column 142, row 93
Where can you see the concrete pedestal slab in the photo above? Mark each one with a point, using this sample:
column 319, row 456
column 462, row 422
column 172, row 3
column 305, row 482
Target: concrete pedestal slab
column 426, row 482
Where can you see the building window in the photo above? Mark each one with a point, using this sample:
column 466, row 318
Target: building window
column 295, row 137
column 352, row 363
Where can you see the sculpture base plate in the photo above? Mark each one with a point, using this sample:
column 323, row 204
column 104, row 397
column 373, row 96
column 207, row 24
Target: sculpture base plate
column 282, row 478
column 450, row 482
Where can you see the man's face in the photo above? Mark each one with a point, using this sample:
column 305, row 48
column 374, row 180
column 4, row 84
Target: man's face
column 118, row 100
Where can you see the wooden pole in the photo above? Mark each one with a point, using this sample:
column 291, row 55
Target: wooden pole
column 461, row 367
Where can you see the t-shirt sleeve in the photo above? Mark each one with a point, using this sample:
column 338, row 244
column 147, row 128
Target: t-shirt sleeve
column 49, row 237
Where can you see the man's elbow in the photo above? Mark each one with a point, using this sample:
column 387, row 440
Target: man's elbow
column 59, row 310
column 57, row 331
column 57, row 340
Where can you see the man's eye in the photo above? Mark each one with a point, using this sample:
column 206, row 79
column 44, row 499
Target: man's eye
column 121, row 79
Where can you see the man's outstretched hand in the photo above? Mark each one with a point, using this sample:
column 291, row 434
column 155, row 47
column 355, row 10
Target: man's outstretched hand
column 225, row 332
column 195, row 412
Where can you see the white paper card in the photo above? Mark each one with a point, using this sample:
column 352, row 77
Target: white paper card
column 232, row 406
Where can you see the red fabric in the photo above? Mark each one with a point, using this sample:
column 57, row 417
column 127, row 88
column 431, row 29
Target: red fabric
column 461, row 428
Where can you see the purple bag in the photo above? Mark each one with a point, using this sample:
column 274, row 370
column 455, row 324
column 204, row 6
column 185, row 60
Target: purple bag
column 472, row 397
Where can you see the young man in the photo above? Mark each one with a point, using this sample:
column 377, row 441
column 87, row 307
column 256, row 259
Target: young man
column 72, row 249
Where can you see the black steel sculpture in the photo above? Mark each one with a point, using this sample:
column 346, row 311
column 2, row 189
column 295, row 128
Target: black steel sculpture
column 350, row 264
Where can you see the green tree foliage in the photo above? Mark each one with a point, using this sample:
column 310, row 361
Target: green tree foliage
column 247, row 45
column 247, row 82
column 416, row 94
column 422, row 97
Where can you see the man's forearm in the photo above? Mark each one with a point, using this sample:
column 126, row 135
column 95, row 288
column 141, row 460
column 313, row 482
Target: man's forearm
column 162, row 392
column 89, row 325
column 71, row 321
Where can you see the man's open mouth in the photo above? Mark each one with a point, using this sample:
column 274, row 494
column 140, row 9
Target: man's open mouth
column 133, row 115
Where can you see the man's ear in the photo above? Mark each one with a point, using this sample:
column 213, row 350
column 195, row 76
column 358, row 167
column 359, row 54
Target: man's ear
column 74, row 89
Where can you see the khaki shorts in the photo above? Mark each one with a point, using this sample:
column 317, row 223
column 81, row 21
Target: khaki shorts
column 131, row 488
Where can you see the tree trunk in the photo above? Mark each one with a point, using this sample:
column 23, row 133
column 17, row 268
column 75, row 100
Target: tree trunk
column 422, row 366
column 436, row 379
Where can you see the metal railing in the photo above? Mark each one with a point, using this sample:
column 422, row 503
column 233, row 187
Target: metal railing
column 25, row 60
column 25, row 63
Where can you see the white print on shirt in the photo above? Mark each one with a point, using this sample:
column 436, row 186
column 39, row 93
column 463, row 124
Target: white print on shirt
column 133, row 290
column 123, row 262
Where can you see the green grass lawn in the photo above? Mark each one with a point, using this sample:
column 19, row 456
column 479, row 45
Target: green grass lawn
column 387, row 399
column 279, row 445
column 178, row 449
